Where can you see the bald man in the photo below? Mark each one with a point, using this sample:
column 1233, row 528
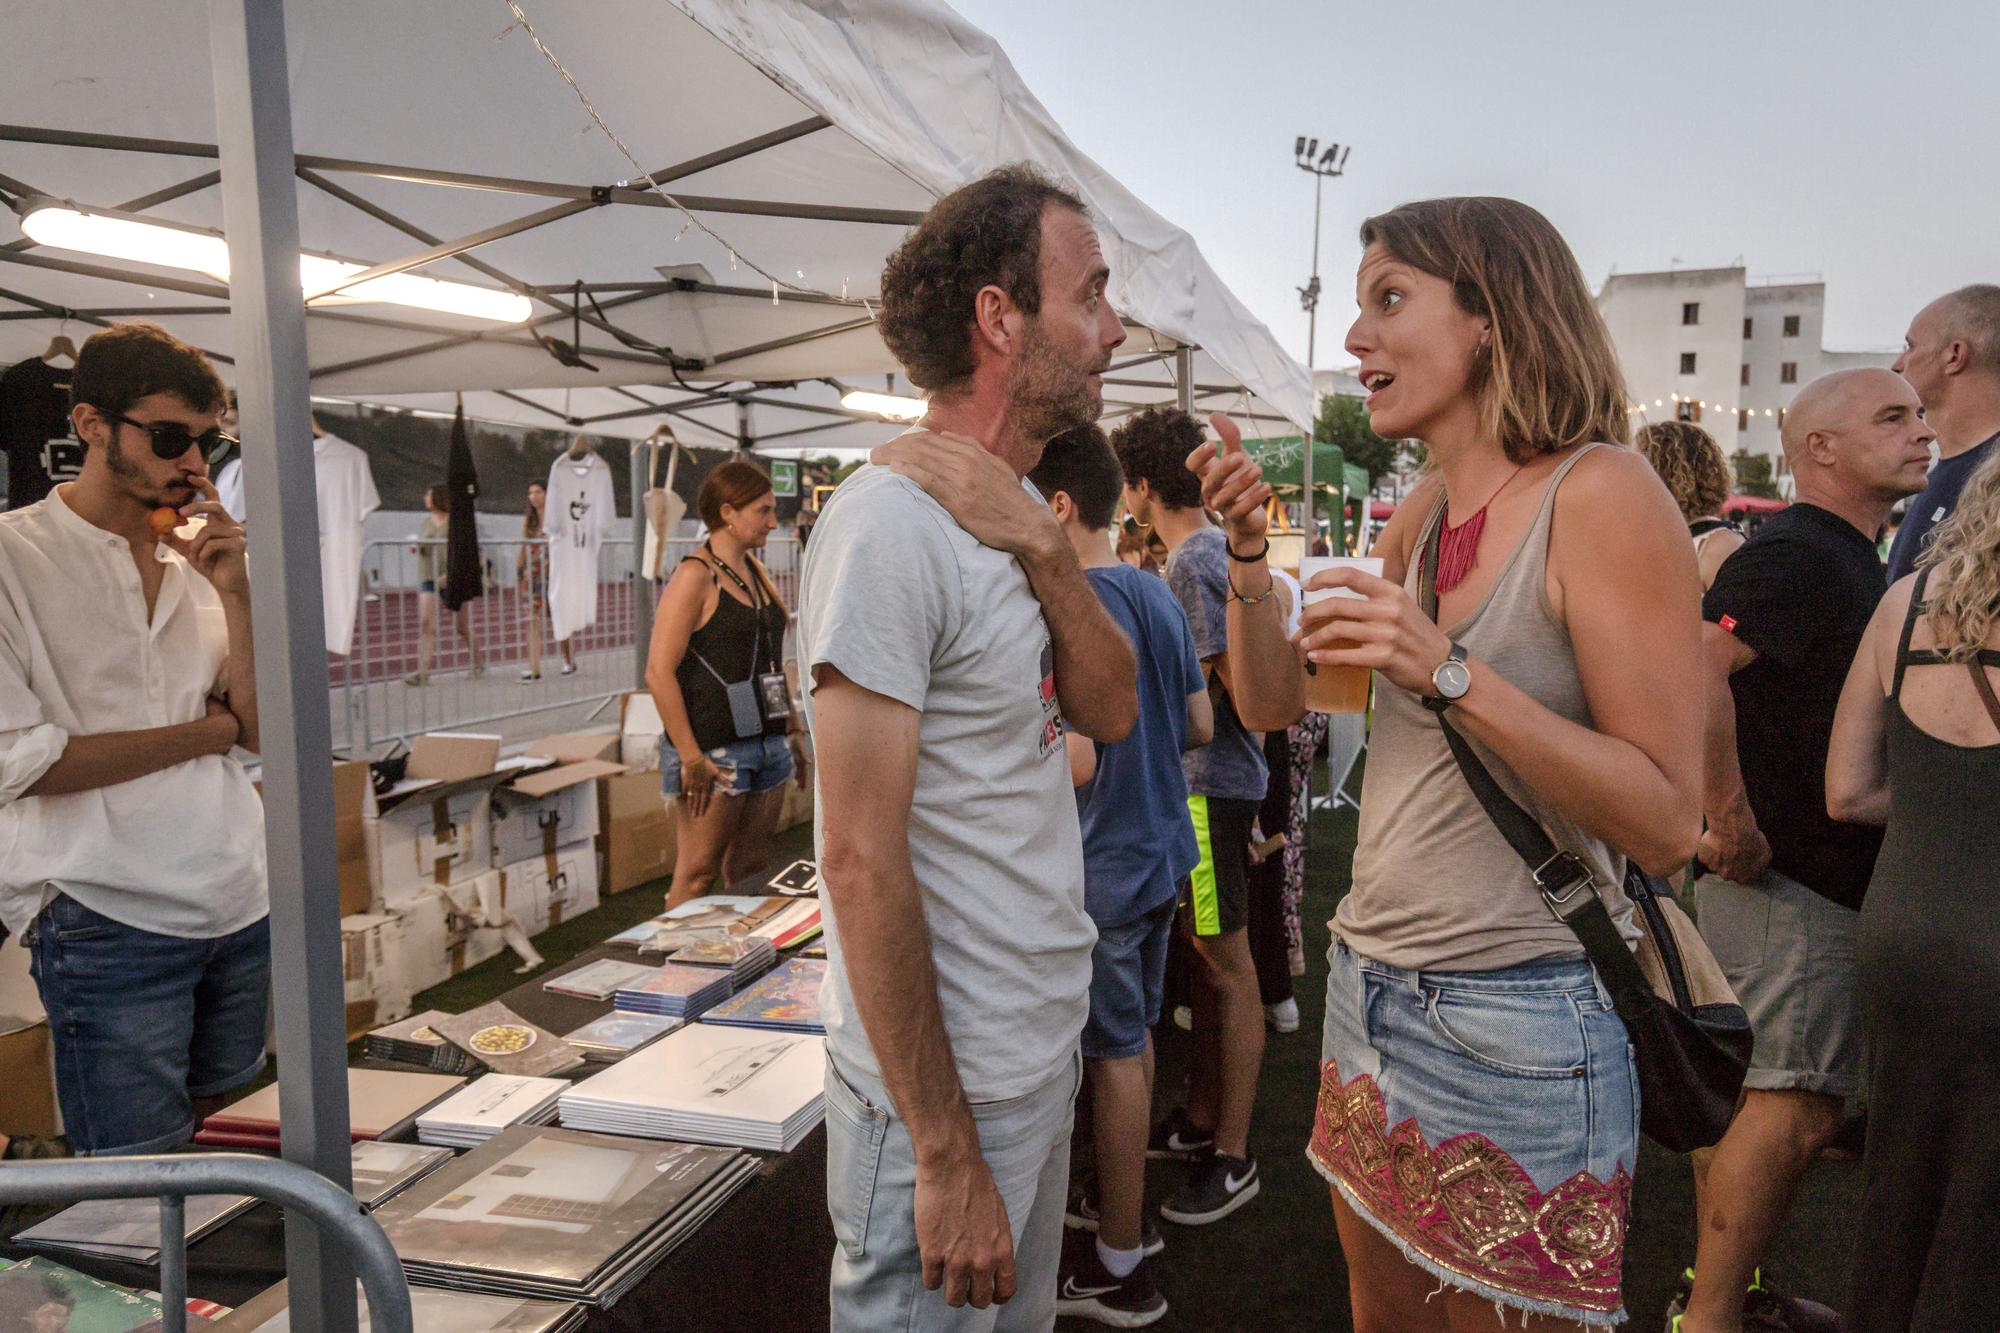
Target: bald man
column 1783, row 884
column 1951, row 357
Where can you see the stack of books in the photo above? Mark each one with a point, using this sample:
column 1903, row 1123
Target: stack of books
column 709, row 1085
column 413, row 1042
column 384, row 1170
column 785, row 1001
column 676, row 990
column 431, row 1311
column 127, row 1229
column 746, row 956
column 786, row 922
column 507, row 1043
column 557, row 1215
column 618, row 1034
column 488, row 1106
column 381, row 1104
column 598, row 980
column 38, row 1294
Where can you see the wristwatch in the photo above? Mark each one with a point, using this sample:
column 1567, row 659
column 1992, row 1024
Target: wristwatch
column 1451, row 680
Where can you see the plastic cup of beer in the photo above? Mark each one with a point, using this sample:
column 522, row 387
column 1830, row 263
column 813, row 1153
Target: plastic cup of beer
column 1337, row 689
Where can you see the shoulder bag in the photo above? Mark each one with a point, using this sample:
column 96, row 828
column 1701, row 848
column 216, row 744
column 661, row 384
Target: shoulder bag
column 1691, row 1040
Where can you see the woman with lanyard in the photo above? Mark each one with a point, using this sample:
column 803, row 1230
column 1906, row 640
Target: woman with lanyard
column 716, row 670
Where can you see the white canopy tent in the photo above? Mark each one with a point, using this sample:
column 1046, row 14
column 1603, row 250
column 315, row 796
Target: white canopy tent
column 802, row 143
column 798, row 142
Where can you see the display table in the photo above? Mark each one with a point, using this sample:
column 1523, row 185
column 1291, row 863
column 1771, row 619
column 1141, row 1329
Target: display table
column 760, row 1263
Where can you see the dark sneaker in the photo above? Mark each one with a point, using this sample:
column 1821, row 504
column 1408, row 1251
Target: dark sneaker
column 1086, row 1290
column 1176, row 1136
column 1081, row 1215
column 1765, row 1309
column 1220, row 1186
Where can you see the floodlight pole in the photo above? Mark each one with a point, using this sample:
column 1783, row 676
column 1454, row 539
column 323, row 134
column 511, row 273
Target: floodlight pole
column 261, row 218
column 1330, row 163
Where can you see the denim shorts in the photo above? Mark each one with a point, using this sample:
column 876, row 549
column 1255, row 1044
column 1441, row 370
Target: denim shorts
column 1486, row 1123
column 1789, row 955
column 145, row 1023
column 1128, row 980
column 743, row 768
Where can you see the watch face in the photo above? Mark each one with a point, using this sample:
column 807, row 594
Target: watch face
column 1453, row 680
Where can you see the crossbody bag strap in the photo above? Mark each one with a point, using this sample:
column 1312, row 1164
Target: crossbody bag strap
column 1565, row 883
column 1985, row 688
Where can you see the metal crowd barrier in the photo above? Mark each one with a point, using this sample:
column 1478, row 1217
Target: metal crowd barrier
column 382, row 691
column 174, row 1177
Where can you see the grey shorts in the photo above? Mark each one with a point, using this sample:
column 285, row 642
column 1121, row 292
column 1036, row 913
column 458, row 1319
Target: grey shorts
column 1789, row 955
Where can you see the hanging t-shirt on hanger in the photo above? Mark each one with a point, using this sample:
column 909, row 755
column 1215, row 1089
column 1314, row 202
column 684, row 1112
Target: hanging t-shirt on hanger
column 347, row 497
column 581, row 510
column 34, row 427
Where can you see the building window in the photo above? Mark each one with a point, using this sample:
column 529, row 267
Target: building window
column 1687, row 363
column 1743, row 418
column 1690, row 312
column 1747, row 325
column 1781, row 418
column 1791, row 326
column 1788, row 372
column 1784, row 468
column 1744, row 378
column 1687, row 410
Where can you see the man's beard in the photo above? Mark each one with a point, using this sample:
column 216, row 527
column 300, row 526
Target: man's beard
column 133, row 480
column 1047, row 394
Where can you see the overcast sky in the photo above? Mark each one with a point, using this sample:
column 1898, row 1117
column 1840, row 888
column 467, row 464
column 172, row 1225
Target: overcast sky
column 1860, row 142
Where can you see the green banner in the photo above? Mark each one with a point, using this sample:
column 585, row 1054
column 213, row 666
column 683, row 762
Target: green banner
column 1282, row 458
column 785, row 477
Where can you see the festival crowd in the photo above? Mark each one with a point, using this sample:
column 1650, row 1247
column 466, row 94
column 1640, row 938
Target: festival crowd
column 1044, row 769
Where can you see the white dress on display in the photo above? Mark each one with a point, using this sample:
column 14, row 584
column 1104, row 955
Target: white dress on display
column 581, row 510
column 347, row 497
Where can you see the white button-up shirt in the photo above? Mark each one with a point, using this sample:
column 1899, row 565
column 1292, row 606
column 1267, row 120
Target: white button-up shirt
column 177, row 852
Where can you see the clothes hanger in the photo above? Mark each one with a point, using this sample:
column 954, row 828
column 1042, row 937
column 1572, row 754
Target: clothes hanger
column 60, row 345
column 580, row 448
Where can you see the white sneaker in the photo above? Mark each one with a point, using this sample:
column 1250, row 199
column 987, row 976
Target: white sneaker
column 1183, row 1018
column 1283, row 1017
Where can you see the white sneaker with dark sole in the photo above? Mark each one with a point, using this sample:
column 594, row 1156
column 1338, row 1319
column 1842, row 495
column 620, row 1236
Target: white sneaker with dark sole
column 1221, row 1186
column 1087, row 1290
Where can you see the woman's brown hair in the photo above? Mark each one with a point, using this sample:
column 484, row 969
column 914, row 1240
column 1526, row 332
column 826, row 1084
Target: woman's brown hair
column 735, row 483
column 531, row 517
column 1551, row 380
column 1691, row 463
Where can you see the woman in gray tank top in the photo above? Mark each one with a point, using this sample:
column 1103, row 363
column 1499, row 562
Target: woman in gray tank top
column 1478, row 1107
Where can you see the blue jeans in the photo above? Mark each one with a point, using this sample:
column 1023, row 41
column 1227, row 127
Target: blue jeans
column 144, row 1023
column 1128, row 982
column 871, row 1182
column 742, row 768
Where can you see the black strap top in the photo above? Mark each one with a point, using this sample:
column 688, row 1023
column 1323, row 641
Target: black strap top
column 736, row 643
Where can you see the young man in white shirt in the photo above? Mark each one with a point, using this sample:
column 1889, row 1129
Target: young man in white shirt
column 131, row 843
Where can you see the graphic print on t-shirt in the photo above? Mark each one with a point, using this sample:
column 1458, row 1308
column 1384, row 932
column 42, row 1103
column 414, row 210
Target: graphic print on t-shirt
column 1052, row 723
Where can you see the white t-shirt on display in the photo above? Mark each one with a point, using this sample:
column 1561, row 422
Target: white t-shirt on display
column 581, row 509
column 902, row 601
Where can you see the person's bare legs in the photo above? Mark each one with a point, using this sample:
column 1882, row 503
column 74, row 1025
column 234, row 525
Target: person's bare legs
column 463, row 617
column 1121, row 1100
column 568, row 653
column 749, row 850
column 698, row 845
column 1389, row 1294
column 427, row 633
column 534, row 636
column 1743, row 1192
column 1233, row 1039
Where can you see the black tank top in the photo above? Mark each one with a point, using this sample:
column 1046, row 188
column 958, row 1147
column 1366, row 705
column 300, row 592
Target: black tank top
column 739, row 643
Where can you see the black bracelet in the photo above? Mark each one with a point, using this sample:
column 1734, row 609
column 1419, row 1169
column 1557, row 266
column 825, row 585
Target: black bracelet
column 1256, row 559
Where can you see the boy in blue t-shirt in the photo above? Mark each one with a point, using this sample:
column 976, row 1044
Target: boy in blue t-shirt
column 1138, row 844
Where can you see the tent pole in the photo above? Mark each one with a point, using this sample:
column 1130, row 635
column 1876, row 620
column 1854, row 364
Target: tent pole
column 260, row 212
column 1184, row 379
column 642, row 588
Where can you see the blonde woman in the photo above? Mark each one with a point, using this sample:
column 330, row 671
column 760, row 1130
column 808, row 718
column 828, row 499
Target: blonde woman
column 1478, row 1110
column 1690, row 462
column 1916, row 745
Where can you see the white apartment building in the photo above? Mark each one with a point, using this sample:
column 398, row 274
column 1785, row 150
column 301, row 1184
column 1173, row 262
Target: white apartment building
column 1719, row 347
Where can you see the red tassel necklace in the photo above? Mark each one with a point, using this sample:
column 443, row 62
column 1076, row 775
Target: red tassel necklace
column 1458, row 547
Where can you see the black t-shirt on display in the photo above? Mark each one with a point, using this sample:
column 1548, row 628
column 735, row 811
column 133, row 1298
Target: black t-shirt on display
column 1799, row 593
column 34, row 429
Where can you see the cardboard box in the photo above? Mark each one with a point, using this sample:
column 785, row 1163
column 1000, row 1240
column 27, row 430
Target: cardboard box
column 372, row 967
column 451, row 756
column 353, row 802
column 534, row 815
column 577, row 746
column 640, row 731
column 27, row 1084
column 545, row 890
column 445, row 931
column 636, row 841
column 436, row 834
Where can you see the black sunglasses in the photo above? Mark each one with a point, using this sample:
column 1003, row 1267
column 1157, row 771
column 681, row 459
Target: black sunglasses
column 171, row 439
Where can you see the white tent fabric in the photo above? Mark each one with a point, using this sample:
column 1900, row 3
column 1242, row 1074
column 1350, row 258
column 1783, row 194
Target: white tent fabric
column 806, row 136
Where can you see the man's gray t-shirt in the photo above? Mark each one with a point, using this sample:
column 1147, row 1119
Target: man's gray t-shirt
column 1232, row 765
column 905, row 603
